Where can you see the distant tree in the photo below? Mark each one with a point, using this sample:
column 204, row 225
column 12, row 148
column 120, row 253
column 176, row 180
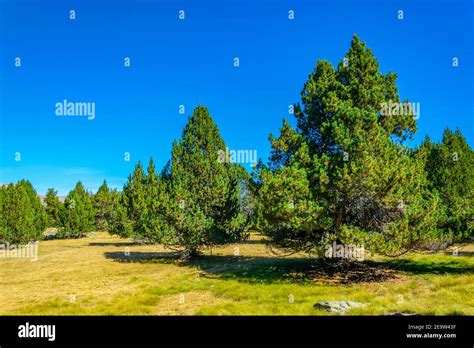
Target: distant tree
column 77, row 215
column 53, row 207
column 23, row 218
column 153, row 223
column 344, row 174
column 135, row 212
column 103, row 202
column 118, row 221
column 134, row 201
column 2, row 214
column 450, row 169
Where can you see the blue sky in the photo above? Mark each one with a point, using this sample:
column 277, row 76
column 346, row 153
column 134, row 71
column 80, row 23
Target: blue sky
column 190, row 62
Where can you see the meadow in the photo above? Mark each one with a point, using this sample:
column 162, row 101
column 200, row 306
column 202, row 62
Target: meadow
column 103, row 274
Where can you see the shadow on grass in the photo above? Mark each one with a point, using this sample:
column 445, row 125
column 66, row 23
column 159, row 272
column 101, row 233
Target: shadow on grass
column 115, row 244
column 144, row 257
column 268, row 269
column 426, row 267
column 252, row 241
column 253, row 269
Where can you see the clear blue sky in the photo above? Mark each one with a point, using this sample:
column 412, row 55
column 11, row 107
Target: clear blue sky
column 190, row 62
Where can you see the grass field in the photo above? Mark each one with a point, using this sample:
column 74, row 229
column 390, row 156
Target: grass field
column 106, row 275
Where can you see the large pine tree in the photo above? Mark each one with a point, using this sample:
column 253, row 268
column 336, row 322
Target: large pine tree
column 344, row 175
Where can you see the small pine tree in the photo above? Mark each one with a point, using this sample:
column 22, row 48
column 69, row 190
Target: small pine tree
column 118, row 221
column 53, row 207
column 450, row 170
column 153, row 223
column 23, row 218
column 103, row 202
column 77, row 215
column 134, row 201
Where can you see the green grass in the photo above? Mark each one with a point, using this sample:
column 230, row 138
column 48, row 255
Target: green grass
column 94, row 276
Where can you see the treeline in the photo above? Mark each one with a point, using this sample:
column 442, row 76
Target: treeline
column 22, row 216
column 343, row 174
column 195, row 201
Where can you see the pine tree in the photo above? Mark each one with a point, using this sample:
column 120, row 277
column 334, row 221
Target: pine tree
column 344, row 174
column 135, row 202
column 117, row 221
column 22, row 216
column 53, row 207
column 450, row 169
column 197, row 200
column 103, row 205
column 205, row 193
column 77, row 215
column 153, row 223
column 3, row 227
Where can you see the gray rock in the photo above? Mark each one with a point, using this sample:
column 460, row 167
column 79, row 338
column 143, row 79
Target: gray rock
column 399, row 314
column 338, row 306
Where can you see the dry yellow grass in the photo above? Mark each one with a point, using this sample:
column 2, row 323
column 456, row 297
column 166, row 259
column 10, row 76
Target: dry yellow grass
column 104, row 274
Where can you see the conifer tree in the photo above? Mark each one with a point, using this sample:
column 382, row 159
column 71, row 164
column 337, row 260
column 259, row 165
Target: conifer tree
column 77, row 215
column 204, row 194
column 53, row 207
column 136, row 211
column 118, row 221
column 103, row 205
column 134, row 201
column 22, row 216
column 344, row 174
column 196, row 200
column 153, row 223
column 2, row 213
column 450, row 169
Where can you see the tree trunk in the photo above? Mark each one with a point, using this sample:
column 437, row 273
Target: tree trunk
column 189, row 253
column 339, row 217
